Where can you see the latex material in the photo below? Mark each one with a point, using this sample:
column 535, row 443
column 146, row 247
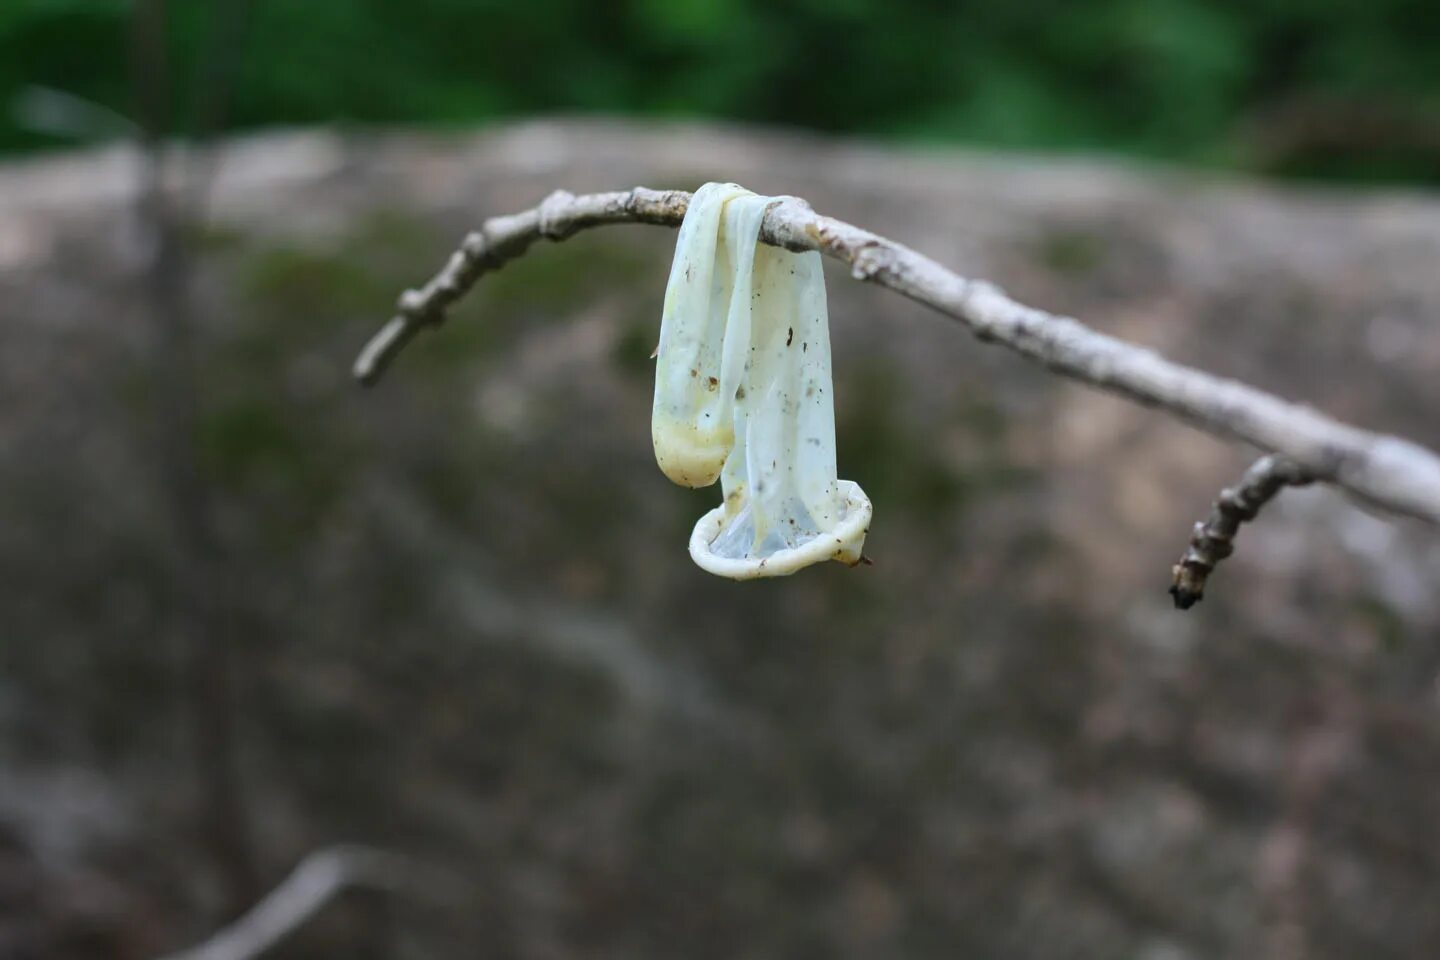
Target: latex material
column 743, row 393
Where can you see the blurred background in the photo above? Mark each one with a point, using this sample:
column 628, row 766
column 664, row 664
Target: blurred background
column 249, row 610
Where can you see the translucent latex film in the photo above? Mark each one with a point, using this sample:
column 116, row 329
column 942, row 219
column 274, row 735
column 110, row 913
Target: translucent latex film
column 743, row 393
column 693, row 424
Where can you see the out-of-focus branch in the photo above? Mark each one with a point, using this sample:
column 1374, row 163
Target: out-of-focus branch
column 320, row 878
column 1386, row 471
column 200, row 602
column 1214, row 539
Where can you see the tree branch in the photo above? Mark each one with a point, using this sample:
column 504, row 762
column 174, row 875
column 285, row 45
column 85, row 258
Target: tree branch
column 320, row 877
column 1214, row 539
column 1386, row 471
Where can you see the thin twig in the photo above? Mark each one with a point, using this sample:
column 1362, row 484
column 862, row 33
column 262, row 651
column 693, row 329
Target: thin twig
column 319, row 878
column 1387, row 471
column 1214, row 539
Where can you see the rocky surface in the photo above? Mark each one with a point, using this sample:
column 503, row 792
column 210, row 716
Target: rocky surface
column 461, row 623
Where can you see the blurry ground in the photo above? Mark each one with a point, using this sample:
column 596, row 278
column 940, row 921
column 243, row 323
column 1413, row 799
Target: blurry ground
column 464, row 625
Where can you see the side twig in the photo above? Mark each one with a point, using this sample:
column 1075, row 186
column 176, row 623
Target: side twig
column 1214, row 539
column 1386, row 471
column 319, row 878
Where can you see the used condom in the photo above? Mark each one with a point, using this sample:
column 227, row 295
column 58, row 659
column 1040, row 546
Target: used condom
column 743, row 395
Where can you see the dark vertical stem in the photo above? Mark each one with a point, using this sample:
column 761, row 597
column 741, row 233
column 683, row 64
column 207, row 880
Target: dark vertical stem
column 200, row 609
column 228, row 22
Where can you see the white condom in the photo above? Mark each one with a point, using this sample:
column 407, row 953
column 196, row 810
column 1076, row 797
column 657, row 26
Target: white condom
column 743, row 392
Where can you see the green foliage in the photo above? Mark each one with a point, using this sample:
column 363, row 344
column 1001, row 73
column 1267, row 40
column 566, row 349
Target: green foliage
column 1238, row 82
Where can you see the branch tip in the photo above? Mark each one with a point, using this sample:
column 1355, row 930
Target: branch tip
column 1213, row 539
